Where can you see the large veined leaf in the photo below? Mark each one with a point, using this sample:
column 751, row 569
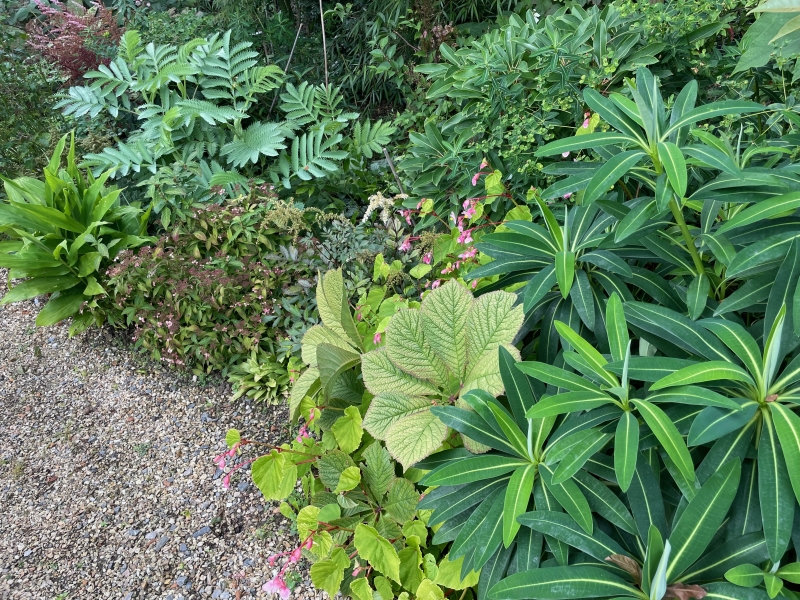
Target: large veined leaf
column 444, row 317
column 414, row 437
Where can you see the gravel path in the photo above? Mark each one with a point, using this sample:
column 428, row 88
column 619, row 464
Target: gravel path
column 107, row 486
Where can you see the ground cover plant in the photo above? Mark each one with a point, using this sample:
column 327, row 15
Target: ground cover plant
column 529, row 285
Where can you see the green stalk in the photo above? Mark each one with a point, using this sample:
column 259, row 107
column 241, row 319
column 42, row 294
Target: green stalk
column 687, row 236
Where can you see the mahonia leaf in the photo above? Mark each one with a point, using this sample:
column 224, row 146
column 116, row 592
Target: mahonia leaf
column 377, row 551
column 388, row 408
column 415, row 437
column 407, row 348
column 444, row 318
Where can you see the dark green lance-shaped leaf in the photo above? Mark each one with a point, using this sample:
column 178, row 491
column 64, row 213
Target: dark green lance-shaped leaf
column 733, row 446
column 567, row 403
column 712, row 370
column 676, row 329
column 471, row 425
column 617, row 328
column 787, row 426
column 528, row 552
column 459, row 498
column 674, row 164
column 544, row 500
column 728, row 591
column 669, row 436
column 604, row 502
column 626, row 449
column 752, row 292
column 562, row 583
column 736, row 337
column 590, row 140
column 564, row 528
column 652, row 558
column 565, row 271
column 583, row 299
column 594, row 360
column 518, row 494
column 719, row 245
column 493, row 571
column 709, row 111
column 473, row 469
column 765, row 209
column 649, row 368
column 790, row 572
column 702, row 518
column 750, row 548
column 472, row 534
column 608, row 261
column 578, row 455
column 520, row 389
column 774, row 490
column 611, row 172
column 781, row 295
column 694, row 395
column 645, row 499
column 713, row 422
column 558, row 377
column 697, row 295
column 745, row 575
column 489, row 538
column 570, row 497
column 539, row 285
column 769, row 250
column 613, row 115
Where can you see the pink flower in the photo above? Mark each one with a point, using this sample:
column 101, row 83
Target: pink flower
column 302, row 434
column 475, row 178
column 376, row 339
column 220, row 460
column 474, row 284
column 308, row 543
column 586, row 124
column 406, row 245
column 465, row 237
column 567, row 195
column 468, row 253
column 272, row 559
column 226, row 481
column 436, row 284
column 277, row 586
column 356, row 571
column 427, row 258
column 484, row 163
column 296, row 554
column 565, row 154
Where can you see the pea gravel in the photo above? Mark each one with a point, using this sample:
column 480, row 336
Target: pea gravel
column 107, row 486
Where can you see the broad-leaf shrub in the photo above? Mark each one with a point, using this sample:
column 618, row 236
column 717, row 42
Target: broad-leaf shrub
column 65, row 231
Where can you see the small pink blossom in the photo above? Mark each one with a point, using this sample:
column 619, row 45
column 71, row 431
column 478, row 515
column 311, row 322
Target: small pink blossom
column 468, row 253
column 296, row 554
column 273, row 559
column 586, row 124
column 475, row 178
column 308, row 543
column 277, row 586
column 302, row 434
column 356, row 571
column 427, row 258
column 465, row 237
column 436, row 284
column 376, row 339
column 567, row 195
column 220, row 460
column 474, row 284
column 226, row 481
column 406, row 245
column 565, row 154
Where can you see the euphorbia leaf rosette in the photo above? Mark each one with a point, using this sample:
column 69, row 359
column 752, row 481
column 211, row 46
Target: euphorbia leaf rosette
column 433, row 356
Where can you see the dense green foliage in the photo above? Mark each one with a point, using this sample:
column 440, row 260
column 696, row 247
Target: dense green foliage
column 526, row 273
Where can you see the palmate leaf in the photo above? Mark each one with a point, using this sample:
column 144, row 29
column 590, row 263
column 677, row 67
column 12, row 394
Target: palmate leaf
column 258, row 139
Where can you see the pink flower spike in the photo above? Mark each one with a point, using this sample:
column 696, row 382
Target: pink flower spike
column 376, row 339
column 427, row 258
column 565, row 154
column 277, row 586
column 296, row 554
column 475, row 179
column 406, row 245
column 226, row 481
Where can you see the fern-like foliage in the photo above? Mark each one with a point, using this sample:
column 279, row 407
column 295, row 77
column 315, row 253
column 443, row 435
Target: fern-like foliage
column 370, row 138
column 258, row 139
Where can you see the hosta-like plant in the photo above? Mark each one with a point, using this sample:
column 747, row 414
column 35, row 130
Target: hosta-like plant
column 433, row 356
column 65, row 230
